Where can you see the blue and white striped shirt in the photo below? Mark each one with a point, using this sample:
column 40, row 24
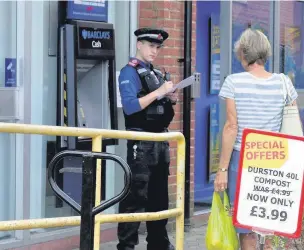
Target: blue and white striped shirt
column 259, row 102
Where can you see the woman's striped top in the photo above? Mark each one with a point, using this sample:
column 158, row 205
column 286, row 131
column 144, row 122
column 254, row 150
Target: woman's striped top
column 259, row 102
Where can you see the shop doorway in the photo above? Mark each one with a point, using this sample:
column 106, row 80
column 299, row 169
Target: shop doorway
column 208, row 17
column 219, row 24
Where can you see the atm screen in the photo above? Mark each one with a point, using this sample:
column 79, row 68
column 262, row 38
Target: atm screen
column 92, row 38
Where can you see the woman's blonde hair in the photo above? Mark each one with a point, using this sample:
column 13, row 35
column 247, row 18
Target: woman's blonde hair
column 253, row 46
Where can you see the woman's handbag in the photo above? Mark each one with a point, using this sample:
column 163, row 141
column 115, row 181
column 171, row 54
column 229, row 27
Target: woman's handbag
column 291, row 122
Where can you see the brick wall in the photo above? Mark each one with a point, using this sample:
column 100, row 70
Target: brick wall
column 169, row 15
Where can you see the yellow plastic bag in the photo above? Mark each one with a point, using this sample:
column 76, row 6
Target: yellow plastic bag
column 230, row 238
column 214, row 233
column 221, row 234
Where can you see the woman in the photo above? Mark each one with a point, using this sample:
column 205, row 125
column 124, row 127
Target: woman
column 254, row 99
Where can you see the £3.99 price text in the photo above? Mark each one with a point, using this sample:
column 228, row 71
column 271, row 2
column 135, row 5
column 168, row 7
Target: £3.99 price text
column 263, row 213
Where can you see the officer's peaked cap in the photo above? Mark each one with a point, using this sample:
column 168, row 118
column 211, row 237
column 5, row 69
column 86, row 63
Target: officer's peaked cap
column 151, row 35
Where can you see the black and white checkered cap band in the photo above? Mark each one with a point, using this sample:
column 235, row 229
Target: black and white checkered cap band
column 156, row 36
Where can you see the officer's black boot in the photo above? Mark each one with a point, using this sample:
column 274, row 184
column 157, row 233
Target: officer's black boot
column 124, row 248
column 168, row 247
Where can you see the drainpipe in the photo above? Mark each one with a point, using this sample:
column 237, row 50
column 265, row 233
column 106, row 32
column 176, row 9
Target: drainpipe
column 187, row 105
column 133, row 25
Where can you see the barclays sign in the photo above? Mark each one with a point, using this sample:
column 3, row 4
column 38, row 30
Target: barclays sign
column 91, row 38
column 87, row 34
column 95, row 40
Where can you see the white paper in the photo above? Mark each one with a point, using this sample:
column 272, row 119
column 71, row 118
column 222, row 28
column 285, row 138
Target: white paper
column 182, row 84
column 185, row 83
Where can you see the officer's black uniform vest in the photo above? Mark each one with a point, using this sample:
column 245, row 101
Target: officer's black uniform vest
column 159, row 114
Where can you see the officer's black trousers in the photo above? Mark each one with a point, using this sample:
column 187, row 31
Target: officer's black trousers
column 149, row 163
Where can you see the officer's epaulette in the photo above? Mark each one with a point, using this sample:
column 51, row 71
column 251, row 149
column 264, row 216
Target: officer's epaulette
column 133, row 62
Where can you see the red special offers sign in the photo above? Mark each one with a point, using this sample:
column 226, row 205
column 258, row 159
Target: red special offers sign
column 270, row 182
column 264, row 150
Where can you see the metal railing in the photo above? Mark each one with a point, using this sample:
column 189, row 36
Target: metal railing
column 97, row 135
column 87, row 210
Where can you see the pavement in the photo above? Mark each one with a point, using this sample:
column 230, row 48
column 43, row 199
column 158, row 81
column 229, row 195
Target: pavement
column 194, row 240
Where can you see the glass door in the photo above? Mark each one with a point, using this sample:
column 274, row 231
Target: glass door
column 254, row 14
column 236, row 16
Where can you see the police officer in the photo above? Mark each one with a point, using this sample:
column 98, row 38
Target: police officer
column 147, row 100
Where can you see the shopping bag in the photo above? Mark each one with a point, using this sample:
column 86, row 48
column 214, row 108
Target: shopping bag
column 214, row 233
column 230, row 237
column 221, row 234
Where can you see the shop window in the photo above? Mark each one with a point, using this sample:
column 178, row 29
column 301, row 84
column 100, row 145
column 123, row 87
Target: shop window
column 291, row 41
column 8, row 42
column 7, row 141
column 292, row 46
column 247, row 14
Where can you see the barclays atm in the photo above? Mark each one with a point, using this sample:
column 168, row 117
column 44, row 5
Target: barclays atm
column 87, row 88
column 86, row 83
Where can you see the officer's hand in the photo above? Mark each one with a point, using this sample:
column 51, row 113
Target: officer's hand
column 172, row 96
column 164, row 89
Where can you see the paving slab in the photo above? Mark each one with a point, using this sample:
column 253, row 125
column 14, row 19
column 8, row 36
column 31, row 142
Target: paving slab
column 194, row 240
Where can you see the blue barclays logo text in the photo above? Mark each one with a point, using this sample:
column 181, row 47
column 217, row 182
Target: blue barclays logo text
column 86, row 34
